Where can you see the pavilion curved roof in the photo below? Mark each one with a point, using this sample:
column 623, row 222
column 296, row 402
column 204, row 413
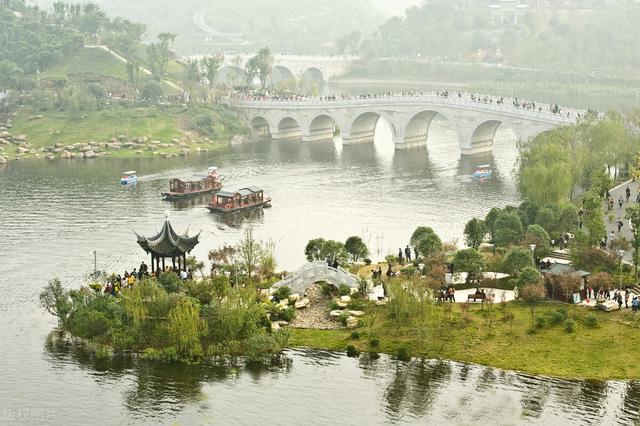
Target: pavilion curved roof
column 168, row 243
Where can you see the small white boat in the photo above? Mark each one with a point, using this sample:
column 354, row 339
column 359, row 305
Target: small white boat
column 129, row 178
column 483, row 171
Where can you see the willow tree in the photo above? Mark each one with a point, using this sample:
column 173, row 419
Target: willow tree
column 545, row 170
column 186, row 328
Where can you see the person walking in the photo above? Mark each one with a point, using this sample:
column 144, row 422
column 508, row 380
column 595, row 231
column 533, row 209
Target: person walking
column 612, row 237
column 620, row 224
column 620, row 201
column 628, row 193
column 619, row 301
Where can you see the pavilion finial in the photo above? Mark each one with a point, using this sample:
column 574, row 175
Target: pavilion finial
column 167, row 213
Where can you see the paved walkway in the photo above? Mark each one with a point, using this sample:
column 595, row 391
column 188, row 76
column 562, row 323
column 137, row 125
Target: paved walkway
column 625, row 232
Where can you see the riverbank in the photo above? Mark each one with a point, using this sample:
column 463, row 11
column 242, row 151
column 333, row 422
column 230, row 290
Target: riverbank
column 604, row 349
column 119, row 132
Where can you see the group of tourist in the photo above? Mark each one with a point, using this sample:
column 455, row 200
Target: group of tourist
column 619, row 296
column 270, row 95
column 117, row 282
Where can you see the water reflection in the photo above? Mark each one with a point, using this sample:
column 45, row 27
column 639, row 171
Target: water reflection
column 415, row 392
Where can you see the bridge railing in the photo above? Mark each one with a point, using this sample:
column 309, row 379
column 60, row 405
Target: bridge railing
column 541, row 110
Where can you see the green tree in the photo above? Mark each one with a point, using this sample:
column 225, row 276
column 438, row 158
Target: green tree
column 420, row 233
column 537, row 235
column 508, row 229
column 470, row 261
column 159, row 53
column 356, row 248
column 545, row 169
column 250, row 251
column 333, row 251
column 152, row 90
column 429, row 245
column 55, row 299
column 633, row 214
column 186, row 328
column 212, row 65
column 533, row 295
column 516, row 259
column 593, row 216
column 474, row 233
column 313, row 249
column 260, row 66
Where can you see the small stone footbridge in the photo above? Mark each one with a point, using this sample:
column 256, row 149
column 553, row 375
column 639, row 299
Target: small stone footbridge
column 314, row 272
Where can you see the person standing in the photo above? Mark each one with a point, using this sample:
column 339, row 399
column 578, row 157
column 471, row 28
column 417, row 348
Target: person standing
column 400, row 258
column 620, row 201
column 628, row 193
column 407, row 253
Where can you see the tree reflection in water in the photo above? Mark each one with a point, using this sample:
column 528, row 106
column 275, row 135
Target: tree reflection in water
column 415, row 386
column 154, row 387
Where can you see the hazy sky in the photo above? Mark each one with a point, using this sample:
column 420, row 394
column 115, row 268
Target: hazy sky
column 393, row 7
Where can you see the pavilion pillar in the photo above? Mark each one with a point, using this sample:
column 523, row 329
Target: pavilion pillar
column 173, row 262
column 153, row 266
column 163, row 265
column 184, row 260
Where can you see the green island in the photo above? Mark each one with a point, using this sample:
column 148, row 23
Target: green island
column 523, row 316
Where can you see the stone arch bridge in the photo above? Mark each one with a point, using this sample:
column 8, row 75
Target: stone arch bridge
column 314, row 272
column 287, row 67
column 409, row 118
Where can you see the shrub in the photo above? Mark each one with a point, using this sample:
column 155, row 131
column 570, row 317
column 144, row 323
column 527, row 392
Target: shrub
column 374, row 343
column 558, row 316
column 355, row 335
column 356, row 304
column 344, row 290
column 152, row 90
column 282, row 293
column 569, row 326
column 97, row 90
column 259, row 346
column 333, row 305
column 169, row 281
column 287, row 314
column 540, row 322
column 367, row 261
column 327, row 289
column 591, row 321
column 352, row 351
column 374, row 356
column 403, row 354
column 343, row 318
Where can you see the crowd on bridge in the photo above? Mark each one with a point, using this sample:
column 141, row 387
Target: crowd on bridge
column 556, row 109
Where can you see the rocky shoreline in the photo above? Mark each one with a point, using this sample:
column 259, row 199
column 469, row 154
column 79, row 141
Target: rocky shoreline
column 140, row 146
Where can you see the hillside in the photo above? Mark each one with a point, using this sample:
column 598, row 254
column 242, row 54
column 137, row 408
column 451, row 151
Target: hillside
column 284, row 25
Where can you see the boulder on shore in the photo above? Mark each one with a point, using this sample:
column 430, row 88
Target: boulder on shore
column 65, row 155
column 352, row 322
column 345, row 299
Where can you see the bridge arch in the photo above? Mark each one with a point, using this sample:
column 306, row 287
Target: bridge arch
column 288, row 128
column 280, row 73
column 260, row 127
column 416, row 130
column 363, row 128
column 482, row 136
column 232, row 76
column 322, row 127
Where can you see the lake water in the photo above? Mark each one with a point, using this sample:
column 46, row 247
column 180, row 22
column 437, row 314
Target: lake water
column 52, row 215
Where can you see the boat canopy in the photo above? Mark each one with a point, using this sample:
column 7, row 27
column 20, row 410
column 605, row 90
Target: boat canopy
column 485, row 166
column 131, row 172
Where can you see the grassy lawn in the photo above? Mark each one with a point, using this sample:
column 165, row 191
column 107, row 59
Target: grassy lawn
column 88, row 61
column 610, row 350
column 155, row 123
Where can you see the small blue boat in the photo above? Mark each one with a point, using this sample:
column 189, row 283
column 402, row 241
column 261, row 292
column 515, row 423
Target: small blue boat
column 483, row 171
column 129, row 178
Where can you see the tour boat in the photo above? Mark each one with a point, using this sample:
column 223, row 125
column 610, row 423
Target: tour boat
column 129, row 178
column 243, row 199
column 199, row 185
column 483, row 171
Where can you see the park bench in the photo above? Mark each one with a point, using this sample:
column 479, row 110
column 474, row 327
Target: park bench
column 476, row 297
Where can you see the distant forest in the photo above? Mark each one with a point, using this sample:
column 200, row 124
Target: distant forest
column 586, row 36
